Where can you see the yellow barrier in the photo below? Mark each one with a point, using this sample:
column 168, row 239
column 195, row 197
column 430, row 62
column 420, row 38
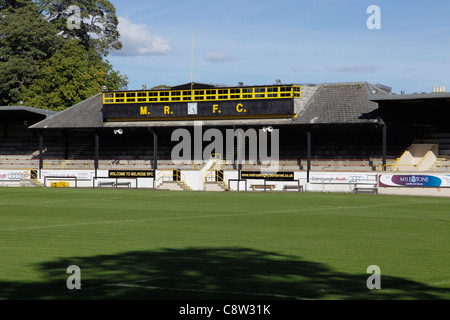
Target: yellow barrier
column 60, row 184
column 214, row 176
column 215, row 94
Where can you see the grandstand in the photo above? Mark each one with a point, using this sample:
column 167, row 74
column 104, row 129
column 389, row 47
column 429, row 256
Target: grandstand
column 323, row 128
column 19, row 145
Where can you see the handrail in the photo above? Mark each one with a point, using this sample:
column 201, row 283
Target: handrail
column 210, row 177
column 405, row 165
column 411, row 165
column 398, row 159
column 178, row 175
column 25, row 174
column 383, row 167
column 429, row 151
column 209, row 94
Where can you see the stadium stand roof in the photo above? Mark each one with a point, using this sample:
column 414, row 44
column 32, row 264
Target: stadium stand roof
column 430, row 109
column 25, row 109
column 86, row 114
column 333, row 103
column 342, row 103
column 435, row 97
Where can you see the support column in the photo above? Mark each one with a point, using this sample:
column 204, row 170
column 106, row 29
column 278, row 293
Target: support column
column 96, row 151
column 155, row 151
column 155, row 155
column 308, row 154
column 384, row 143
column 41, row 152
column 66, row 144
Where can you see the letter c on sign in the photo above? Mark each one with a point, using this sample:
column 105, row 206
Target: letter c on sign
column 239, row 107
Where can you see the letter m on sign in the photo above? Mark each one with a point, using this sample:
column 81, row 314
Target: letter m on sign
column 143, row 111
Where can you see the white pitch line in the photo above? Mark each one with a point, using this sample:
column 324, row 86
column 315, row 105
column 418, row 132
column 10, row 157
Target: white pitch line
column 123, row 283
column 53, row 201
column 242, row 213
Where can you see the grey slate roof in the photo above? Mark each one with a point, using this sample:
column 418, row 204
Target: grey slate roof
column 445, row 96
column 86, row 114
column 44, row 112
column 341, row 103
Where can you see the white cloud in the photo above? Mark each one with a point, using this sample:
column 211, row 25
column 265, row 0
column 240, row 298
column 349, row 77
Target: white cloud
column 138, row 41
column 350, row 69
column 216, row 56
column 358, row 69
column 306, row 70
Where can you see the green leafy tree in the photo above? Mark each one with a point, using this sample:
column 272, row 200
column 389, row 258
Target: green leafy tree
column 26, row 41
column 70, row 76
column 45, row 63
column 5, row 4
column 161, row 87
column 98, row 22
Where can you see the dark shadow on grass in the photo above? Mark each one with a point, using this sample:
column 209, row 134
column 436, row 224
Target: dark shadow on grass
column 200, row 273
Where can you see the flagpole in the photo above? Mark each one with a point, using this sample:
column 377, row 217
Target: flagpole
column 192, row 66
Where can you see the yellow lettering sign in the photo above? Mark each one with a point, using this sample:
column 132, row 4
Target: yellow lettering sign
column 144, row 111
column 216, row 108
column 240, row 108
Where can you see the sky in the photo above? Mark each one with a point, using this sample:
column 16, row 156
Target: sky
column 168, row 42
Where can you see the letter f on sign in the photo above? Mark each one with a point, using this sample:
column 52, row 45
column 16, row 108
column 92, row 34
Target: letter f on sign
column 374, row 281
column 374, row 21
column 74, row 281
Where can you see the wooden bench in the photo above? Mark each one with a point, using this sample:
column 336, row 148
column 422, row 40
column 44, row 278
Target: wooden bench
column 101, row 184
column 366, row 189
column 292, row 187
column 117, row 184
column 261, row 186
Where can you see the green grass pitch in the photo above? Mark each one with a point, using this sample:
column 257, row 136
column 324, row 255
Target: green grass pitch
column 144, row 244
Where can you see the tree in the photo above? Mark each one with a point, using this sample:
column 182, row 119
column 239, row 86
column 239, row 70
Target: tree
column 26, row 40
column 161, row 87
column 70, row 76
column 7, row 3
column 46, row 64
column 98, row 28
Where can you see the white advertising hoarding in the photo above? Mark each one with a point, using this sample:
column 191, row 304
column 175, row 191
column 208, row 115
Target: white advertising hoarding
column 343, row 178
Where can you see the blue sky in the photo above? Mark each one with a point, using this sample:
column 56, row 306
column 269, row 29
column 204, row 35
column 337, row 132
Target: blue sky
column 296, row 41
